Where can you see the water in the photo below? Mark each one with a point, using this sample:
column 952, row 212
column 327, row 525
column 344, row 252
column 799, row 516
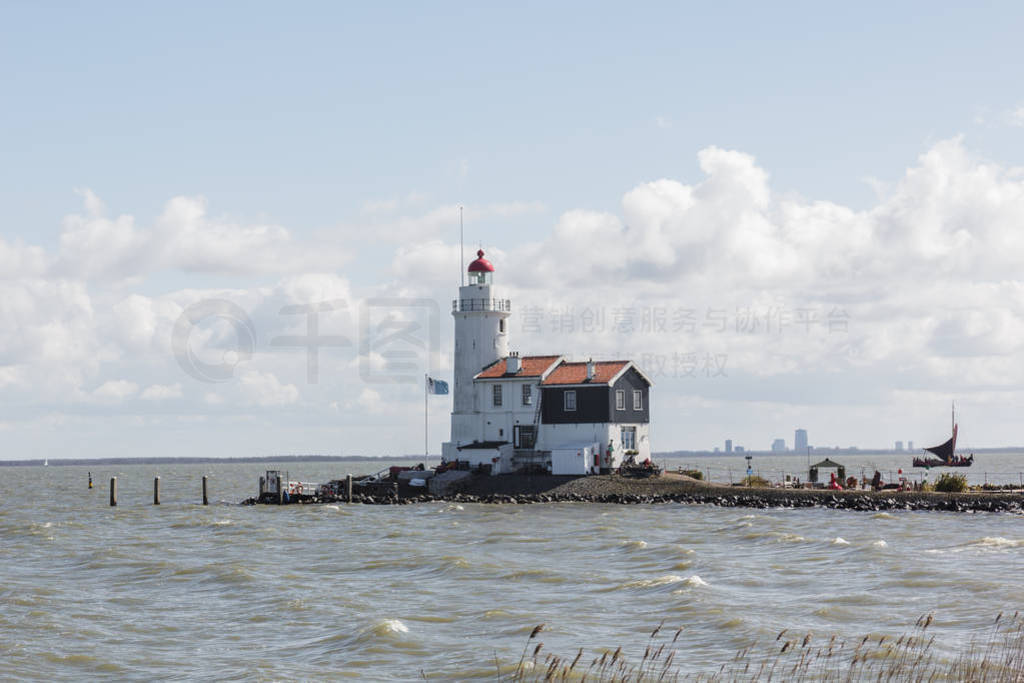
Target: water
column 380, row 592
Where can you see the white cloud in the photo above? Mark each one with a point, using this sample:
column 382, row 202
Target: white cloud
column 9, row 375
column 266, row 390
column 1016, row 116
column 929, row 277
column 19, row 261
column 160, row 392
column 116, row 390
column 182, row 238
column 380, row 206
column 370, row 400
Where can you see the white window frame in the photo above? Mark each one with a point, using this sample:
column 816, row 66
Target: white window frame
column 620, row 399
column 623, row 431
column 638, row 399
column 497, row 396
column 527, row 395
column 565, row 401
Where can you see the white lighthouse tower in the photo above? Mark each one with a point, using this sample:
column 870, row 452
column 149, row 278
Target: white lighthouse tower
column 481, row 338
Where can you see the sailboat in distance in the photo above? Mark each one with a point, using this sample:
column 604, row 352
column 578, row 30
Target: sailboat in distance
column 946, row 452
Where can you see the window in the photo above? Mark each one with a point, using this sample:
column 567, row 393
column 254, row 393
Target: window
column 497, row 395
column 569, row 397
column 638, row 399
column 527, row 395
column 628, row 438
column 501, row 325
column 620, row 399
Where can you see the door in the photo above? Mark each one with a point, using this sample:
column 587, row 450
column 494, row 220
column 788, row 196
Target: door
column 524, row 436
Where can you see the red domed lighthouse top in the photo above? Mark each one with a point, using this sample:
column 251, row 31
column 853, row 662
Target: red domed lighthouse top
column 481, row 265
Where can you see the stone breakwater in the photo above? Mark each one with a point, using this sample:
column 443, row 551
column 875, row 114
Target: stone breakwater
column 613, row 489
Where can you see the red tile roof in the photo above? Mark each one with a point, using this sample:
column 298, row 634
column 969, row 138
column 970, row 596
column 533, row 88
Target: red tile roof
column 576, row 373
column 532, row 366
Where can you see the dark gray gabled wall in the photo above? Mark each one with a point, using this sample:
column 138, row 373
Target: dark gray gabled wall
column 630, row 381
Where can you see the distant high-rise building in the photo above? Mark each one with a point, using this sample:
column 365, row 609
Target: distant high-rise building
column 910, row 445
column 728, row 445
column 800, row 441
column 778, row 445
column 899, row 445
column 740, row 449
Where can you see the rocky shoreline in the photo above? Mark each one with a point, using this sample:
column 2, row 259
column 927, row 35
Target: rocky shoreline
column 675, row 488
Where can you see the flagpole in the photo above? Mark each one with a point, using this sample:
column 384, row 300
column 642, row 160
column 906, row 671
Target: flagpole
column 462, row 250
column 426, row 449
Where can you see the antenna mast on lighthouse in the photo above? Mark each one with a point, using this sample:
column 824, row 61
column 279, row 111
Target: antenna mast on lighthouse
column 462, row 250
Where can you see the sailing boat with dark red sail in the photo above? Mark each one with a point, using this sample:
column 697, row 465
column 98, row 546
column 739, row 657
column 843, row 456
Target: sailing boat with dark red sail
column 946, row 452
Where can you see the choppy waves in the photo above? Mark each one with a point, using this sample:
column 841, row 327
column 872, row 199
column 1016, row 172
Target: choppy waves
column 179, row 591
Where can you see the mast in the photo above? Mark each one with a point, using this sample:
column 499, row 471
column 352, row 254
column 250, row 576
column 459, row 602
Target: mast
column 462, row 250
column 426, row 442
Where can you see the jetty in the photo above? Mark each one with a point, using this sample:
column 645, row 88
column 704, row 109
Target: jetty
column 669, row 487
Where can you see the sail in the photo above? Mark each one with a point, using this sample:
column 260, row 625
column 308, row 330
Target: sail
column 946, row 450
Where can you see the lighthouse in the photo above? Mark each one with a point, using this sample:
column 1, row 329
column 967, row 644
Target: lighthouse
column 481, row 338
column 536, row 413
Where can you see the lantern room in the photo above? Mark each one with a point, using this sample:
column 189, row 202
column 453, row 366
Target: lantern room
column 481, row 271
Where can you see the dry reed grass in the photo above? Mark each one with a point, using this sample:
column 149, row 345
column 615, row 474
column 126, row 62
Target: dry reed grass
column 995, row 655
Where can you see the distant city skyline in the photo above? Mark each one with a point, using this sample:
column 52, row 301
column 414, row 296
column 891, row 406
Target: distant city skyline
column 800, row 440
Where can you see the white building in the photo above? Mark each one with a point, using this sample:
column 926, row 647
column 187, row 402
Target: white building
column 512, row 413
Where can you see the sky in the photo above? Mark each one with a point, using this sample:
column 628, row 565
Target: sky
column 790, row 216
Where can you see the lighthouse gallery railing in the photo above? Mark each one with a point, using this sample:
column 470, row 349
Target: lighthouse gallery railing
column 482, row 305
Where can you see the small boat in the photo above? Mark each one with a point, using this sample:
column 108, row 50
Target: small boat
column 946, row 453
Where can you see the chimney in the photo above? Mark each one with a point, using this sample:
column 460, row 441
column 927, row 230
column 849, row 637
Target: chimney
column 513, row 364
column 591, row 371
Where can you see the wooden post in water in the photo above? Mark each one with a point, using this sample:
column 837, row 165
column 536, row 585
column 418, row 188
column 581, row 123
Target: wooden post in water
column 113, row 492
column 348, row 487
column 156, row 490
column 206, row 499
